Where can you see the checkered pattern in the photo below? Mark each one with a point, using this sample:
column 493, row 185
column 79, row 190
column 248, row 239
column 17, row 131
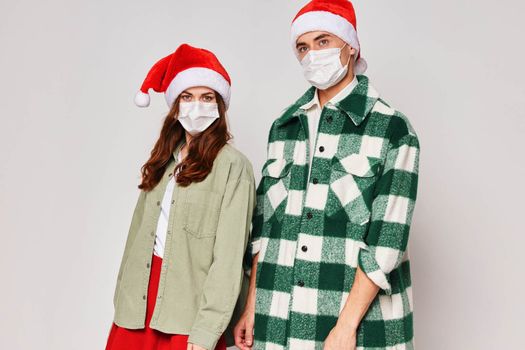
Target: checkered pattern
column 356, row 211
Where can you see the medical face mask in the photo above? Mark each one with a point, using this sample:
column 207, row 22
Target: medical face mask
column 323, row 68
column 195, row 117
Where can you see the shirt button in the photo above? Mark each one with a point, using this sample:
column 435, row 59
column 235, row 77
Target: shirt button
column 152, row 234
column 170, row 175
column 147, row 265
column 304, row 248
column 169, row 232
column 321, row 149
column 160, row 296
column 173, row 201
column 158, row 203
column 309, row 215
column 143, row 297
column 300, row 283
column 316, row 181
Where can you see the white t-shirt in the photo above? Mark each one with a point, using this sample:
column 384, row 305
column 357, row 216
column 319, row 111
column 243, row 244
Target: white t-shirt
column 162, row 225
column 313, row 113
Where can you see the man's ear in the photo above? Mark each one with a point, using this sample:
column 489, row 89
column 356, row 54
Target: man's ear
column 353, row 51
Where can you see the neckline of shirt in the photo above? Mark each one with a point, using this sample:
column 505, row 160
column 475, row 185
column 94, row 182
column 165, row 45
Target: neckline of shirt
column 337, row 98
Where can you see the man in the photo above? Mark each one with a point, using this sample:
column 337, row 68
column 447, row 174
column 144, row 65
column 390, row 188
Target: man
column 330, row 266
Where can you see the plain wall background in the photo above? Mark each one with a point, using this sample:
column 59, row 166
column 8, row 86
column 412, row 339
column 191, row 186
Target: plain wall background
column 72, row 143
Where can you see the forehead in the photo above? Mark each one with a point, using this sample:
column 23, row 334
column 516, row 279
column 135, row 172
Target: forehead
column 311, row 36
column 199, row 90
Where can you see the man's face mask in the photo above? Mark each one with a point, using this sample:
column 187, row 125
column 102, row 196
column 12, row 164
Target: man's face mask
column 323, row 68
column 195, row 117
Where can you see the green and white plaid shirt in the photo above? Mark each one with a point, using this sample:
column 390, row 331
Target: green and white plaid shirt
column 356, row 210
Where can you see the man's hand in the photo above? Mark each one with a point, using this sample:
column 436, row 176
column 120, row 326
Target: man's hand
column 194, row 347
column 340, row 338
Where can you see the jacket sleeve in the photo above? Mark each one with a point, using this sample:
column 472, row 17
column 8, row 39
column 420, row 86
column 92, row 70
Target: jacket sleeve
column 136, row 220
column 392, row 209
column 257, row 221
column 222, row 285
column 258, row 215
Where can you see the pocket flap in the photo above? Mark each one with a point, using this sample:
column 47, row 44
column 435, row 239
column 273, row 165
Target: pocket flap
column 358, row 165
column 277, row 168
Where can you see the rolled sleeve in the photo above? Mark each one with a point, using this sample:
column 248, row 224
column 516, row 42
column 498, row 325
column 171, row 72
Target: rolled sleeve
column 392, row 209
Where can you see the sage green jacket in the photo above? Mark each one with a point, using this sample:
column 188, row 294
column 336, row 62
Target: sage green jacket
column 201, row 275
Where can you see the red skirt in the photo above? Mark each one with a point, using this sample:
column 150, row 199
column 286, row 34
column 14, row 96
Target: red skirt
column 150, row 339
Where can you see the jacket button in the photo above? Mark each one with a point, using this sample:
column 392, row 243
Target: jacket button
column 304, row 248
column 300, row 283
column 309, row 215
column 321, row 149
column 316, row 181
column 329, row 119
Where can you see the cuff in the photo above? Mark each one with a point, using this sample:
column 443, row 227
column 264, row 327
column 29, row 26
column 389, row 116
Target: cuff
column 369, row 265
column 203, row 338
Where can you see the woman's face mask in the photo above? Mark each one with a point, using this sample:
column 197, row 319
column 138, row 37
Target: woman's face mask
column 195, row 117
column 323, row 68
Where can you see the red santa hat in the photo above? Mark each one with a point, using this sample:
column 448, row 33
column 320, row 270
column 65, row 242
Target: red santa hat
column 187, row 67
column 333, row 16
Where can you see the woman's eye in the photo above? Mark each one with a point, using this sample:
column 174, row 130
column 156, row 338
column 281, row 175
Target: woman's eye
column 186, row 97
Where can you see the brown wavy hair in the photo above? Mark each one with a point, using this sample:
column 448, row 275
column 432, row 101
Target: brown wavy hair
column 203, row 150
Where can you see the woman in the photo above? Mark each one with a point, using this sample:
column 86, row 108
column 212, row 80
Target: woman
column 181, row 271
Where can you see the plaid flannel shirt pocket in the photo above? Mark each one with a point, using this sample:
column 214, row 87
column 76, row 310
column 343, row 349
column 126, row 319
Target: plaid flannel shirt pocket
column 275, row 173
column 352, row 181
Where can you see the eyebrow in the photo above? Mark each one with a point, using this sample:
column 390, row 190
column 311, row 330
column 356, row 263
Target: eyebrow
column 321, row 36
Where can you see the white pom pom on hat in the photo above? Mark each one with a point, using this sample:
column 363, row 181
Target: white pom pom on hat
column 187, row 67
column 332, row 16
column 142, row 99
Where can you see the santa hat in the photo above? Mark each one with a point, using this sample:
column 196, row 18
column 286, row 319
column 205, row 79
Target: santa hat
column 185, row 68
column 333, row 16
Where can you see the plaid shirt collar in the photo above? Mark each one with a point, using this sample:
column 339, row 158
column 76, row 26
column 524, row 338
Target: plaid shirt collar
column 356, row 105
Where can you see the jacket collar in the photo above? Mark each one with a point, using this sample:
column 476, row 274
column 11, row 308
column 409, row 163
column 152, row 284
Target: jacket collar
column 357, row 105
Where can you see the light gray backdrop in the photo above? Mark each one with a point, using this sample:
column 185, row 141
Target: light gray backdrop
column 72, row 143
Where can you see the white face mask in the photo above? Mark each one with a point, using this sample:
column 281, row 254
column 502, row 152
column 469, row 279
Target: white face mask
column 195, row 117
column 323, row 68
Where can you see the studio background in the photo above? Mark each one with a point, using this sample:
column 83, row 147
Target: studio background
column 72, row 144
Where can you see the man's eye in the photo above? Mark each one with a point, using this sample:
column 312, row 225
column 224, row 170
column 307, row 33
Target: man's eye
column 302, row 49
column 323, row 42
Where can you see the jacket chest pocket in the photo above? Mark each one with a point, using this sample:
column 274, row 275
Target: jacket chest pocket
column 276, row 182
column 352, row 182
column 201, row 211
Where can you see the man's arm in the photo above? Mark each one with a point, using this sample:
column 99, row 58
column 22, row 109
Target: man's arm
column 362, row 293
column 386, row 241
